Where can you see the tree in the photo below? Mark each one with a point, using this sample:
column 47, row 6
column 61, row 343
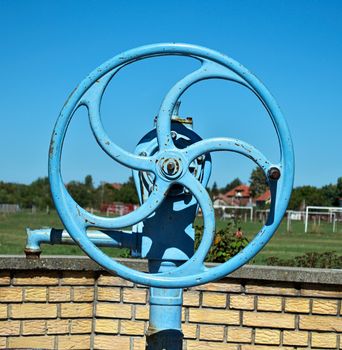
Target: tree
column 339, row 187
column 329, row 194
column 236, row 182
column 258, row 182
column 214, row 190
column 83, row 193
column 312, row 196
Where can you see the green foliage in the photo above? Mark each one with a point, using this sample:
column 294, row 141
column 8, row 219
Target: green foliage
column 326, row 260
column 85, row 194
column 258, row 183
column 37, row 194
column 225, row 245
column 309, row 195
column 214, row 190
column 339, row 187
column 236, row 182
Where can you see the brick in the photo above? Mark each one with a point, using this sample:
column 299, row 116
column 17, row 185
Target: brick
column 323, row 340
column 239, row 335
column 320, row 323
column 76, row 310
column 324, row 307
column 298, row 305
column 204, row 345
column 108, row 294
column 35, row 294
column 214, row 316
column 269, row 303
column 268, row 319
column 191, row 298
column 34, row 327
column 57, row 326
column 9, row 328
column 132, row 327
column 32, row 342
column 113, row 310
column 270, row 288
column 298, row 338
column 219, row 287
column 142, row 312
column 3, row 341
column 107, row 342
column 243, row 302
column 78, row 342
column 139, row 344
column 83, row 294
column 189, row 330
column 265, row 347
column 59, row 294
column 216, row 300
column 326, row 291
column 11, row 294
column 106, row 280
column 211, row 332
column 267, row 336
column 5, row 278
column 3, row 311
column 22, row 311
column 81, row 278
column 35, row 278
column 81, row 326
column 137, row 296
column 106, row 326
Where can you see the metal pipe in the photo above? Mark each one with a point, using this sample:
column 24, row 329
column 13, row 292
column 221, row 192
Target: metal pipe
column 165, row 327
column 103, row 238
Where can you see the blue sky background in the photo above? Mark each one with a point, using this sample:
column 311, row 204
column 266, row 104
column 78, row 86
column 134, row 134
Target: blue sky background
column 48, row 47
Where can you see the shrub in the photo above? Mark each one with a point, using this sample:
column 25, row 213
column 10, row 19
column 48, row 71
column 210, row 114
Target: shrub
column 327, row 260
column 225, row 244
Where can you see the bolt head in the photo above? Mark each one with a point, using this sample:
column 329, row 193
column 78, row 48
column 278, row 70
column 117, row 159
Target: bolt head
column 274, row 173
column 170, row 167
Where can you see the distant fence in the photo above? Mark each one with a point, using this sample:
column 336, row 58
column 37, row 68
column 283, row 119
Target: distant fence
column 9, row 208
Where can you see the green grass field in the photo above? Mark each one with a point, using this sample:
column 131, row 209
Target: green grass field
column 283, row 244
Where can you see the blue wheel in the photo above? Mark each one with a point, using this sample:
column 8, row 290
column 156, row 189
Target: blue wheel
column 170, row 165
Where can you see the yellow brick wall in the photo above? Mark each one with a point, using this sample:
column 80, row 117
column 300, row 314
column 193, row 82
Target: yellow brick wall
column 93, row 310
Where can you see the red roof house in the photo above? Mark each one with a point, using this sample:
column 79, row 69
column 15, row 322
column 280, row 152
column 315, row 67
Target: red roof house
column 263, row 199
column 239, row 196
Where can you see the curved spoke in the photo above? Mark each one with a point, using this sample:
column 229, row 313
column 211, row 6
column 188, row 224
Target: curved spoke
column 85, row 219
column 208, row 70
column 227, row 144
column 92, row 100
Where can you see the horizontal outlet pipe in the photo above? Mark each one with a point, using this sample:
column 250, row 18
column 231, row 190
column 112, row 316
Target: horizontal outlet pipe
column 105, row 238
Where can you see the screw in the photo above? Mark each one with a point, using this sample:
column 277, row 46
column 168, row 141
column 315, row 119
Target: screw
column 173, row 135
column 274, row 173
column 170, row 167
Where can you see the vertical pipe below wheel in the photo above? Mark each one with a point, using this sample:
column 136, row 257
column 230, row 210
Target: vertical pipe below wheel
column 165, row 327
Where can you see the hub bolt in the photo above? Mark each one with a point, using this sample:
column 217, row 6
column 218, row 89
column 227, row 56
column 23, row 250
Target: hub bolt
column 171, row 167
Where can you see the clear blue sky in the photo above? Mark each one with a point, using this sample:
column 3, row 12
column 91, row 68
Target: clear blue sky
column 48, row 47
